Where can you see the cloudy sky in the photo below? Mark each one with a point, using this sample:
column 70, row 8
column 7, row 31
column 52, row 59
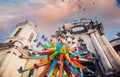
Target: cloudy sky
column 51, row 14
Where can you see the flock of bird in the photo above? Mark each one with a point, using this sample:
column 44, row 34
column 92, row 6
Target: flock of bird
column 79, row 5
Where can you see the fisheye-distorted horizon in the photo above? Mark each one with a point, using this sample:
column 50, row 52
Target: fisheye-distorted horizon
column 51, row 14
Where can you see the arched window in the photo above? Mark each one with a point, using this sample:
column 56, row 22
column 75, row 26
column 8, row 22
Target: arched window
column 18, row 32
column 31, row 37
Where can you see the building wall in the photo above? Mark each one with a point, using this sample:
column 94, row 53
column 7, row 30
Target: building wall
column 96, row 42
column 10, row 63
column 9, row 57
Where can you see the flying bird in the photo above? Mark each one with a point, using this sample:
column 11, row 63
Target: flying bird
column 84, row 9
column 93, row 3
column 80, row 7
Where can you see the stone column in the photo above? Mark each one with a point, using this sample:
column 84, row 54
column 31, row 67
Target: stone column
column 104, row 60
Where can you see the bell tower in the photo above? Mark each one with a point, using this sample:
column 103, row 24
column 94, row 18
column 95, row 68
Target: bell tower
column 23, row 35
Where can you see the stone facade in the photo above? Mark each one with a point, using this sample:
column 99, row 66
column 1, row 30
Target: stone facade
column 23, row 35
column 91, row 32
